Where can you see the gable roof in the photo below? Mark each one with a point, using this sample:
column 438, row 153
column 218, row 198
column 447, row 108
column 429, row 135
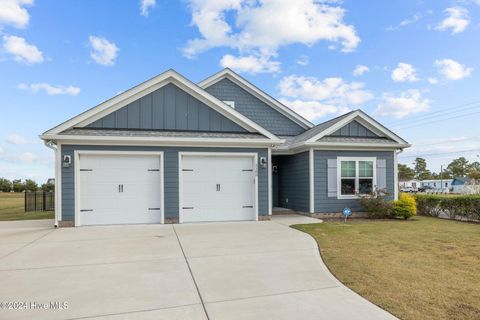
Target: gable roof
column 317, row 135
column 258, row 93
column 170, row 76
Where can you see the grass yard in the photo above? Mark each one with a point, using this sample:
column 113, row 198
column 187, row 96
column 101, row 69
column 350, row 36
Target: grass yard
column 12, row 208
column 425, row 268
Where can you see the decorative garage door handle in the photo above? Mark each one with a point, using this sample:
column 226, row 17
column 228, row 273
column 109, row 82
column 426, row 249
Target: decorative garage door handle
column 120, row 188
column 218, row 186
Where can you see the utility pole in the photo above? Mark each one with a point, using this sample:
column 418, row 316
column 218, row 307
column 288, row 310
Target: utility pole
column 441, row 177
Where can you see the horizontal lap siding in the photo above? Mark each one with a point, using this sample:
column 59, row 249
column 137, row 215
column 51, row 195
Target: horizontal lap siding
column 254, row 109
column 170, row 176
column 325, row 204
column 293, row 181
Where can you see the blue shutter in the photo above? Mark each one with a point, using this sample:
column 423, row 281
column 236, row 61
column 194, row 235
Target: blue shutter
column 332, row 177
column 381, row 174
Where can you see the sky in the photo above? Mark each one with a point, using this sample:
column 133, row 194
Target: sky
column 412, row 65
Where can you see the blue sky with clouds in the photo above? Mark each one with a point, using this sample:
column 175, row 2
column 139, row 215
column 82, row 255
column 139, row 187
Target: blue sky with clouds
column 413, row 65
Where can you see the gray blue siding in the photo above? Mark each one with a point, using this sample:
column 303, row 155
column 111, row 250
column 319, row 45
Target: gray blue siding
column 168, row 108
column 354, row 129
column 293, row 182
column 254, row 109
column 170, row 176
column 325, row 204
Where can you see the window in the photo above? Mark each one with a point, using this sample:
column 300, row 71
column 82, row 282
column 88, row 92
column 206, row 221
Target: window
column 230, row 103
column 356, row 176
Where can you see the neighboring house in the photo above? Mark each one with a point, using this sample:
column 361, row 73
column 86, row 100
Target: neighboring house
column 51, row 181
column 459, row 185
column 409, row 184
column 437, row 184
column 170, row 150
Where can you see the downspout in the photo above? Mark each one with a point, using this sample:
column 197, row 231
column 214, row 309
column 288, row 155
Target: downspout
column 395, row 169
column 51, row 145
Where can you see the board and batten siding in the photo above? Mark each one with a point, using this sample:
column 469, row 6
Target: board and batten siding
column 170, row 175
column 328, row 204
column 354, row 129
column 254, row 109
column 293, row 181
column 168, row 108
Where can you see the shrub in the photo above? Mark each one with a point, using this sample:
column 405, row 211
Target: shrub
column 466, row 206
column 376, row 206
column 405, row 207
column 428, row 204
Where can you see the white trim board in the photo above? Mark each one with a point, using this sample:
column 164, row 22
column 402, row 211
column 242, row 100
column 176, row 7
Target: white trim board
column 149, row 86
column 172, row 141
column 76, row 175
column 311, row 171
column 215, row 154
column 364, row 120
column 258, row 93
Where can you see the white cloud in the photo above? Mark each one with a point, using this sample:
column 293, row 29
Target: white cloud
column 404, row 73
column 313, row 98
column 28, row 157
column 12, row 12
column 265, row 25
column 21, row 50
column 432, row 80
column 312, row 110
column 399, row 106
column 360, row 70
column 103, row 51
column 18, row 139
column 303, row 60
column 457, row 20
column 452, row 70
column 145, row 6
column 250, row 64
column 49, row 89
column 405, row 22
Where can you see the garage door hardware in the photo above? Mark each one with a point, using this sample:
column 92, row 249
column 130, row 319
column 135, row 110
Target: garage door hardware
column 218, row 186
column 153, row 208
column 86, row 169
column 86, row 210
column 120, row 188
column 247, row 170
column 247, row 207
column 187, row 208
column 187, row 170
column 153, row 169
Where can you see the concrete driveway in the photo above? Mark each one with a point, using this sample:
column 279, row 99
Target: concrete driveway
column 242, row 270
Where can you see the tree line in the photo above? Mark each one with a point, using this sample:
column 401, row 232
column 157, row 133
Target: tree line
column 458, row 168
column 17, row 185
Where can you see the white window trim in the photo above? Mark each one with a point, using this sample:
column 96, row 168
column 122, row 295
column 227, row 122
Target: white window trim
column 339, row 174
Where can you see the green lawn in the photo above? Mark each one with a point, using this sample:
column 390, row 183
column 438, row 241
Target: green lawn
column 12, row 208
column 425, row 268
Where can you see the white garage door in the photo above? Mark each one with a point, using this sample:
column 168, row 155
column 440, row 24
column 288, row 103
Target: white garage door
column 217, row 188
column 119, row 189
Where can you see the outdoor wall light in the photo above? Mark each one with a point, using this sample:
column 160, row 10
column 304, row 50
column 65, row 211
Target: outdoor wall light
column 263, row 162
column 67, row 160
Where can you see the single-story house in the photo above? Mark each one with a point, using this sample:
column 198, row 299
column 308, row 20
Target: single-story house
column 438, row 183
column 459, row 183
column 409, row 184
column 172, row 151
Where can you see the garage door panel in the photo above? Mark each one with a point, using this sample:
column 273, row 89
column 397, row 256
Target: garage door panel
column 100, row 189
column 217, row 188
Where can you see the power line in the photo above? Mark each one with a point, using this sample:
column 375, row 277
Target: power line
column 444, row 142
column 435, row 121
column 440, row 153
column 439, row 113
